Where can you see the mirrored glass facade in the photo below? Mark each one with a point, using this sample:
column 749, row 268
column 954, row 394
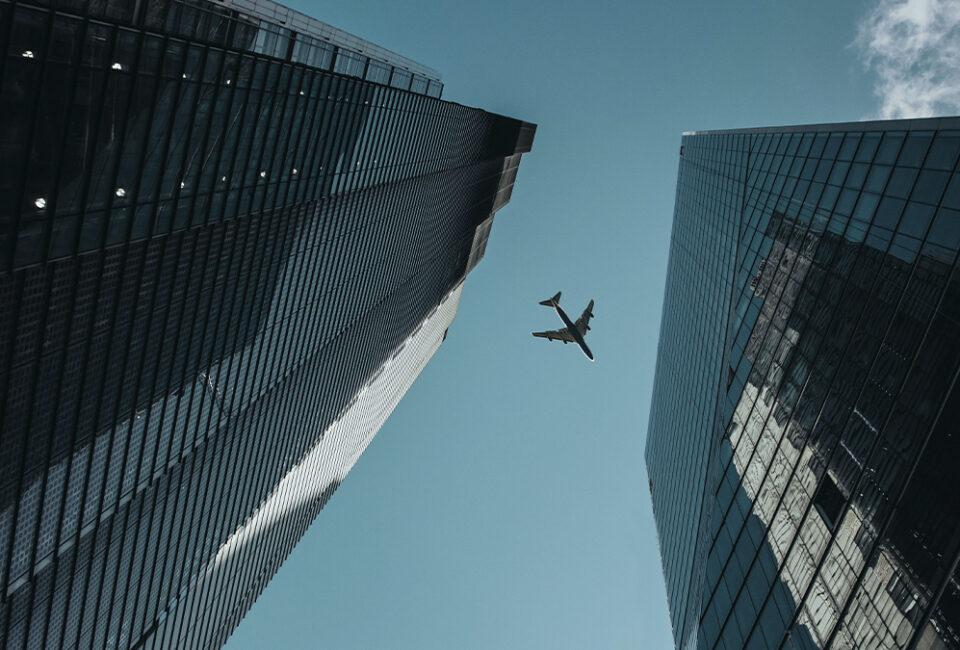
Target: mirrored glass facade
column 801, row 445
column 230, row 239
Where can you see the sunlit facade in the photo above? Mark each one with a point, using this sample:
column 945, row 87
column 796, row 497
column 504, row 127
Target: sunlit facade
column 231, row 237
column 801, row 444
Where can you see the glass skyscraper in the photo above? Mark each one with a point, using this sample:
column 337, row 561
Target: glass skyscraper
column 802, row 444
column 231, row 236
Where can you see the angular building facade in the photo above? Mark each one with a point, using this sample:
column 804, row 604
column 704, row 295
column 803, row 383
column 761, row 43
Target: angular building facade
column 231, row 236
column 802, row 437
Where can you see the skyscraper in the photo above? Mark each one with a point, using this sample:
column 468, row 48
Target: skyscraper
column 802, row 437
column 231, row 236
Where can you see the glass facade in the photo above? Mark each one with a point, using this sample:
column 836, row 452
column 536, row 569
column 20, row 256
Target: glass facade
column 227, row 247
column 801, row 438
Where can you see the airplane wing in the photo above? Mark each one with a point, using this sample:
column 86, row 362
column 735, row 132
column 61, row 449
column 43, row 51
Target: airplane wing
column 583, row 323
column 556, row 335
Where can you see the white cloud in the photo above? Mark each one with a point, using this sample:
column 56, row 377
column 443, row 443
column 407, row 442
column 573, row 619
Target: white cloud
column 913, row 47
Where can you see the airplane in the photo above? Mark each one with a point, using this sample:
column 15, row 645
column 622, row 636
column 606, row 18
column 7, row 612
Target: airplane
column 573, row 332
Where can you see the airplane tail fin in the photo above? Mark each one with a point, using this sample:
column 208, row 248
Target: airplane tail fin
column 550, row 302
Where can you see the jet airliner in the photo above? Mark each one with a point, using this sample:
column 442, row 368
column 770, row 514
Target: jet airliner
column 573, row 332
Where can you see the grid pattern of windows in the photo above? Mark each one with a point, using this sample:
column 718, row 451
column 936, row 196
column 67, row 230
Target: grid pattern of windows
column 220, row 268
column 828, row 514
column 699, row 280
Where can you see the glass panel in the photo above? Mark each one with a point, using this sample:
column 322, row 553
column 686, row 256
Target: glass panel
column 943, row 152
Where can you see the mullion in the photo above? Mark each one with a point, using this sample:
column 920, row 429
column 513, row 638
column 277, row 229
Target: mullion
column 185, row 455
column 307, row 111
column 235, row 300
column 315, row 184
column 124, row 358
column 17, row 278
column 374, row 143
column 217, row 91
column 151, row 301
column 68, row 462
column 187, row 411
column 37, row 370
column 15, row 513
column 226, row 158
column 173, row 470
column 16, row 216
column 347, row 138
column 76, row 540
column 158, row 475
column 309, row 155
column 107, row 472
column 334, row 131
column 265, row 266
column 279, row 239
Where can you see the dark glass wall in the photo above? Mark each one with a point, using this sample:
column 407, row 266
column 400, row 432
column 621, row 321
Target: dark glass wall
column 206, row 252
column 828, row 516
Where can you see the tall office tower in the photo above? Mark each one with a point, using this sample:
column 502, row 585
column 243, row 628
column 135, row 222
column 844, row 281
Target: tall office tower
column 231, row 237
column 802, row 441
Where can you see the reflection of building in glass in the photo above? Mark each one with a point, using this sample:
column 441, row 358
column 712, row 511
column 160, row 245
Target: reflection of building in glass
column 801, row 440
column 230, row 238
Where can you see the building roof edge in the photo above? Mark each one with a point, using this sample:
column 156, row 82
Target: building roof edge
column 914, row 123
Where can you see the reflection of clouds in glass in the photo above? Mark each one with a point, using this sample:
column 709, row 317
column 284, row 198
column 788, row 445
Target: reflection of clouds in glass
column 327, row 463
column 913, row 46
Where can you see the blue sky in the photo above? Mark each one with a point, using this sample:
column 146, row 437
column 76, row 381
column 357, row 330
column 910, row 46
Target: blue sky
column 505, row 502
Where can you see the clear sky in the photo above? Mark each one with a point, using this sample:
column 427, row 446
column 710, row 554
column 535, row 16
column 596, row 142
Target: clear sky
column 505, row 503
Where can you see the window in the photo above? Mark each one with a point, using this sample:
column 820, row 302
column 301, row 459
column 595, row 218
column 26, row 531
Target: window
column 829, row 501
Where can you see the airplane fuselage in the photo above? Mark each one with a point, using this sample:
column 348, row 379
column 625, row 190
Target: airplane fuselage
column 574, row 332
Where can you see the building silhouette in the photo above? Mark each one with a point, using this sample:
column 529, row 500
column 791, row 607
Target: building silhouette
column 802, row 431
column 231, row 236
